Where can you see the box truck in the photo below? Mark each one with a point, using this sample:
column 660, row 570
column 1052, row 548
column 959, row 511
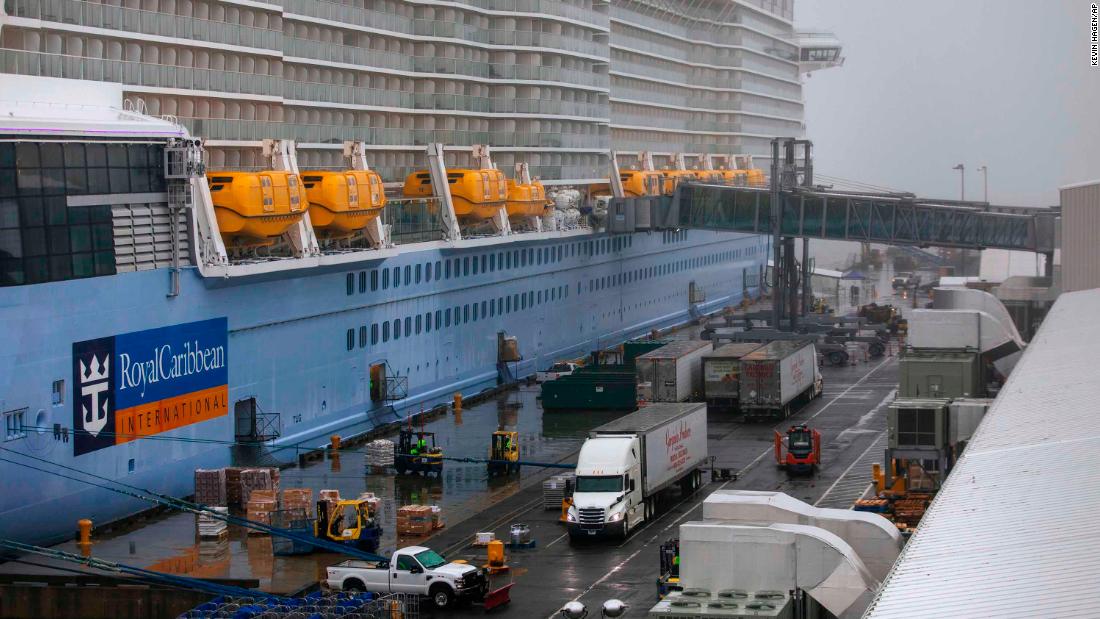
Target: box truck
column 778, row 378
column 625, row 464
column 673, row 372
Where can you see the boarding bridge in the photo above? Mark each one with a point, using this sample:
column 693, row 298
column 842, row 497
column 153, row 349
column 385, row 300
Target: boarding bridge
column 794, row 207
column 891, row 219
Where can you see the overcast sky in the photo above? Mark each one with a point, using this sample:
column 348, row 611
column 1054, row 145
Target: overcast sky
column 931, row 83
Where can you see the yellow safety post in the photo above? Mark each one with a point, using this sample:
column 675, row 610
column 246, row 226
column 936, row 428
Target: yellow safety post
column 458, row 401
column 334, row 440
column 84, row 527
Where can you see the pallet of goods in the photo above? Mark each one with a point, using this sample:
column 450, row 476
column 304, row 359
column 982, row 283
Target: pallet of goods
column 259, row 509
column 380, row 453
column 211, row 527
column 414, row 520
column 210, row 487
column 258, row 479
column 553, row 490
column 298, row 500
column 233, row 486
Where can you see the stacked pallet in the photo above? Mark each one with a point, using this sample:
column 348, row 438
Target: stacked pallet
column 380, row 453
column 258, row 479
column 414, row 520
column 553, row 490
column 233, row 486
column 437, row 517
column 298, row 503
column 374, row 503
column 330, row 495
column 261, row 504
column 211, row 527
column 210, row 487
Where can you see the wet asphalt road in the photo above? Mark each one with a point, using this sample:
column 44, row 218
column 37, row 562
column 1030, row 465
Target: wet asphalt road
column 850, row 415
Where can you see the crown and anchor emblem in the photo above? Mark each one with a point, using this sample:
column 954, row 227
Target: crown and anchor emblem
column 94, row 383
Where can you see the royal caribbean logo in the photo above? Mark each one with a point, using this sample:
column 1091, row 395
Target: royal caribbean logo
column 143, row 383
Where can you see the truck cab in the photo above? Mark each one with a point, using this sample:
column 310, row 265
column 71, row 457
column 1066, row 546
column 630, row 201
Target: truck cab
column 607, row 497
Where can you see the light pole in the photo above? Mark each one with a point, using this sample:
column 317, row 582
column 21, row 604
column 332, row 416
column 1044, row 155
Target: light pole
column 985, row 183
column 962, row 180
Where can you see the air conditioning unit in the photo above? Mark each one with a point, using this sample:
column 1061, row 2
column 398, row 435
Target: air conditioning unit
column 918, row 423
column 727, row 604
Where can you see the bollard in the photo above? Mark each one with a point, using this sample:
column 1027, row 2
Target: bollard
column 84, row 526
column 458, row 401
column 334, row 440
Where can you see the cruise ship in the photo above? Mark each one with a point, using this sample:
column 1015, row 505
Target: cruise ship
column 171, row 282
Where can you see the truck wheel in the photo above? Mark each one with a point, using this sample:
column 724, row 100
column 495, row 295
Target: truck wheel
column 354, row 585
column 876, row 350
column 442, row 596
column 838, row 357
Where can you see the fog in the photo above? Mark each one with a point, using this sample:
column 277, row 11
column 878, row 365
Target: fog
column 926, row 85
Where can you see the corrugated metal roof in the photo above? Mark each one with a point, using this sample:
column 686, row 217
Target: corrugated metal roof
column 1012, row 531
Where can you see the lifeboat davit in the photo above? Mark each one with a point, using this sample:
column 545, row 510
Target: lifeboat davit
column 477, row 194
column 255, row 208
column 343, row 202
column 526, row 200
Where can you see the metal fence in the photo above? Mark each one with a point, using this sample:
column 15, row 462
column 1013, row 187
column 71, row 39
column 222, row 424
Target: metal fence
column 316, row 605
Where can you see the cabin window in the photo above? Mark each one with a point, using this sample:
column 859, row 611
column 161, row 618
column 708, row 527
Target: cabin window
column 419, row 323
column 408, row 326
column 465, row 266
column 374, row 280
column 418, row 271
column 438, row 319
column 448, row 269
column 386, row 331
column 351, row 283
column 396, row 276
column 351, row 339
column 374, row 334
column 465, row 314
column 363, row 336
column 447, row 317
column 428, row 322
column 427, row 271
column 362, row 282
column 492, row 262
column 438, row 269
column 396, row 328
column 408, row 275
column 508, row 305
column 385, row 279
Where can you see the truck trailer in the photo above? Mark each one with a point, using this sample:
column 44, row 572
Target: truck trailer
column 673, row 372
column 625, row 464
column 778, row 378
column 722, row 375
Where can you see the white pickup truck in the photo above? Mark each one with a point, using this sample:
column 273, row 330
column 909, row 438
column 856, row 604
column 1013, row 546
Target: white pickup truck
column 414, row 569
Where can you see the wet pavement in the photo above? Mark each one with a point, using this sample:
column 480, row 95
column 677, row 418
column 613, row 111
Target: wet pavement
column 850, row 415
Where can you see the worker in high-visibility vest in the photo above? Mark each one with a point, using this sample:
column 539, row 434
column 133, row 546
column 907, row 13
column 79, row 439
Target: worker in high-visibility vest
column 422, row 445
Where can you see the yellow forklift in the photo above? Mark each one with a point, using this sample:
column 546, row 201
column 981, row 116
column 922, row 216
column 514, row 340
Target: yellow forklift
column 503, row 453
column 349, row 522
column 416, row 452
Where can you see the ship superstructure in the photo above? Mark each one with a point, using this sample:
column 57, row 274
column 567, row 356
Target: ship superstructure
column 227, row 221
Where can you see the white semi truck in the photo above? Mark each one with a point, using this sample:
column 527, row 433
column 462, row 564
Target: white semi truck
column 624, row 465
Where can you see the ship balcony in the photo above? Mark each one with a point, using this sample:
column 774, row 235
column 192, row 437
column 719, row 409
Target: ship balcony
column 96, row 15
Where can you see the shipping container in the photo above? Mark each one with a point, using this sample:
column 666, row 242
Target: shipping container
column 721, row 375
column 779, row 377
column 673, row 372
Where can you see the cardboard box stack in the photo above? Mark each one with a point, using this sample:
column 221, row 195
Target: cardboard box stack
column 261, row 504
column 258, row 479
column 380, row 453
column 298, row 503
column 414, row 520
column 233, row 485
column 437, row 517
column 210, row 487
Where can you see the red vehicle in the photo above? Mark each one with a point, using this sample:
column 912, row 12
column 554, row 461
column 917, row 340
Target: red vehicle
column 799, row 451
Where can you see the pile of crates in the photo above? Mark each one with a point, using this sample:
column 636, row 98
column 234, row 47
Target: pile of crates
column 260, row 505
column 554, row 488
column 415, row 520
column 210, row 487
column 297, row 503
column 380, row 454
column 266, row 479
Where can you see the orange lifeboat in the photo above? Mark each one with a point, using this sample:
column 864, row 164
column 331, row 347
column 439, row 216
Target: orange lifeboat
column 254, row 208
column 343, row 202
column 477, row 194
column 526, row 200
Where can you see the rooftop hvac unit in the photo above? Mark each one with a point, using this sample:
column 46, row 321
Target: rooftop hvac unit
column 918, row 424
column 727, row 604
